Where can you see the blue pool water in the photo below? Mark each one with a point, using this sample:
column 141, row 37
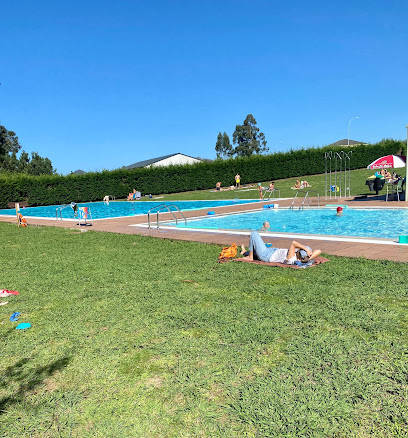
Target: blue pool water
column 101, row 210
column 364, row 223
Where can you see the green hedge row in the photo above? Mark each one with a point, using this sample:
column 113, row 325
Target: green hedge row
column 58, row 189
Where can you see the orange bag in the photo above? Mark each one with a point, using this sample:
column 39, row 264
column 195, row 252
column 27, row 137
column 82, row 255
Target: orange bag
column 228, row 252
column 21, row 220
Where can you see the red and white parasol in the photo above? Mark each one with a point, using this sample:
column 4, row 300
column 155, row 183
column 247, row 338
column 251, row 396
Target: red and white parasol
column 387, row 161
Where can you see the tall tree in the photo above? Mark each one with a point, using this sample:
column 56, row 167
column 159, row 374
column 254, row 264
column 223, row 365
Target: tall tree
column 223, row 146
column 9, row 143
column 38, row 165
column 248, row 138
column 9, row 148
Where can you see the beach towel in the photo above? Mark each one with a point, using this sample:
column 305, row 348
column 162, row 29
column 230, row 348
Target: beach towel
column 317, row 261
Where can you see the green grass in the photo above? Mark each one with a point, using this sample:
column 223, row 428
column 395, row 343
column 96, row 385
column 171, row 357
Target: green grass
column 317, row 182
column 134, row 337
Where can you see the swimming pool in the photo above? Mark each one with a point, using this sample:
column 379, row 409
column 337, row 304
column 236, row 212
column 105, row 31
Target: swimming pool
column 102, row 210
column 378, row 223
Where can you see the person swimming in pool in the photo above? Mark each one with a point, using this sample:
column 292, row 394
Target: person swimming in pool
column 265, row 226
column 296, row 251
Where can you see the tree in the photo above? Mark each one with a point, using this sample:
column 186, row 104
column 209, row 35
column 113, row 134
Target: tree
column 223, row 146
column 248, row 138
column 9, row 143
column 9, row 148
column 39, row 165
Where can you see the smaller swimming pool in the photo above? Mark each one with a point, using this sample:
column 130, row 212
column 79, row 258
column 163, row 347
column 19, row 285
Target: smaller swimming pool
column 102, row 210
column 378, row 223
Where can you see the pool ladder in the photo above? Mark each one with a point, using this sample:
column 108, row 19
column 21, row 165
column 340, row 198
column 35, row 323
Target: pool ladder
column 58, row 211
column 162, row 207
column 301, row 207
column 270, row 192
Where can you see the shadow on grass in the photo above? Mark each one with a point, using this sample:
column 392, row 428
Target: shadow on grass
column 27, row 378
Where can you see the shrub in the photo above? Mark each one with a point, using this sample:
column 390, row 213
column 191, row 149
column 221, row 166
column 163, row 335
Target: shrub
column 93, row 186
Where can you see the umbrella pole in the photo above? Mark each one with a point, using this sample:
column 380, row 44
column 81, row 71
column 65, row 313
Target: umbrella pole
column 406, row 170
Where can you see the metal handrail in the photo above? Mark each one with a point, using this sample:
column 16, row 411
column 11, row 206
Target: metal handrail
column 304, row 199
column 59, row 210
column 270, row 193
column 294, row 199
column 308, row 199
column 164, row 207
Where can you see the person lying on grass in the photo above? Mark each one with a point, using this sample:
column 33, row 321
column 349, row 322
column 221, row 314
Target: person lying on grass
column 259, row 251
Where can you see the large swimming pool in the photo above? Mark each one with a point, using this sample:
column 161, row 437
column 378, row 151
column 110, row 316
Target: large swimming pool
column 379, row 223
column 102, row 210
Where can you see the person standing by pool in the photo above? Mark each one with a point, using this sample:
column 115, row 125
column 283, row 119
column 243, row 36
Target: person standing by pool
column 296, row 251
column 260, row 188
column 237, row 180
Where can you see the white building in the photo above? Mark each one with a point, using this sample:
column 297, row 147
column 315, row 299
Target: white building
column 167, row 160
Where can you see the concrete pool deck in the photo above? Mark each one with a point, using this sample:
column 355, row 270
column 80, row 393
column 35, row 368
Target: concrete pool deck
column 376, row 249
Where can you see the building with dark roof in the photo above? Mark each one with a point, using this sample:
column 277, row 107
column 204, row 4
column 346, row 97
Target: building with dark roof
column 166, row 160
column 346, row 142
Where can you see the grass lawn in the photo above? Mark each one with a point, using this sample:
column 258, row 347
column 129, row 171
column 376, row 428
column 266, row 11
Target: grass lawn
column 317, row 182
column 139, row 337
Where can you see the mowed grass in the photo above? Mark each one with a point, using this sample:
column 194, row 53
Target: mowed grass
column 357, row 179
column 140, row 337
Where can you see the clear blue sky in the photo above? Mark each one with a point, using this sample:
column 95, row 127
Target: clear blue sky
column 98, row 84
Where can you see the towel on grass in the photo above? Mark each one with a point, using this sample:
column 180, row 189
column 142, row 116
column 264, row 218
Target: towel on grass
column 317, row 261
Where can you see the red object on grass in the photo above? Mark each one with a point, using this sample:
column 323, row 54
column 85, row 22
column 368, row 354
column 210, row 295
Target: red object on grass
column 6, row 292
column 388, row 161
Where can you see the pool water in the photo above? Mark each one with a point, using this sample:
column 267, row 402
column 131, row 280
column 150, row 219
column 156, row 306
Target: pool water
column 102, row 210
column 379, row 223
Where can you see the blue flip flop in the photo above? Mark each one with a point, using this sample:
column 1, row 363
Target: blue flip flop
column 23, row 325
column 14, row 316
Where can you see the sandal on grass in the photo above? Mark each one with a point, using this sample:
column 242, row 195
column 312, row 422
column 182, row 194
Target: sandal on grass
column 14, row 316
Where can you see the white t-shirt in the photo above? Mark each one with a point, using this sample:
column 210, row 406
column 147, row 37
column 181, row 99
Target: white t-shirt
column 279, row 256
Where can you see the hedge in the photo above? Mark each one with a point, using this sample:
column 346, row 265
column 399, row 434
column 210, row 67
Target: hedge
column 59, row 189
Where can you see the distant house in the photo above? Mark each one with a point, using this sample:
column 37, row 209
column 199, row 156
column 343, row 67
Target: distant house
column 166, row 160
column 78, row 172
column 346, row 142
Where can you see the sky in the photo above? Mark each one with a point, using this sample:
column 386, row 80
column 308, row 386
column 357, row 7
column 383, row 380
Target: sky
column 101, row 84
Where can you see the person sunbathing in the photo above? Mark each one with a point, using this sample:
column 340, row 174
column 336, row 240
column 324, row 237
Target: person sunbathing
column 132, row 195
column 271, row 187
column 297, row 185
column 296, row 252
